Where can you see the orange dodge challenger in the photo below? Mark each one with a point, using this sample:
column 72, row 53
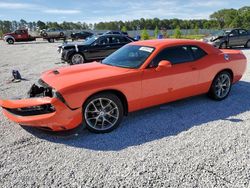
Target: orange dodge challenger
column 137, row 76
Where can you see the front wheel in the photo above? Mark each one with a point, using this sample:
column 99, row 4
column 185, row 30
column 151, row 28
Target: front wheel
column 77, row 58
column 51, row 40
column 102, row 113
column 221, row 86
column 10, row 41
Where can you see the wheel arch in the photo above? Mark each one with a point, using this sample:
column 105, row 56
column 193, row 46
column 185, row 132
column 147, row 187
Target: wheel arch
column 227, row 70
column 116, row 92
column 73, row 52
column 7, row 37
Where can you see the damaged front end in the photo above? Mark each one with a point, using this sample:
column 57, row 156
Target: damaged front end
column 43, row 108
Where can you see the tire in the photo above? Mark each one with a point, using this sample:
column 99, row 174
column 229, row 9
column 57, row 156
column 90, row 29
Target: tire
column 221, row 86
column 45, row 34
column 247, row 44
column 61, row 34
column 223, row 45
column 76, row 59
column 51, row 40
column 10, row 41
column 102, row 113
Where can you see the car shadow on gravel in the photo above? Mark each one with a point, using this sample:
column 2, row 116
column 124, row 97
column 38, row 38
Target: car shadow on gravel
column 159, row 122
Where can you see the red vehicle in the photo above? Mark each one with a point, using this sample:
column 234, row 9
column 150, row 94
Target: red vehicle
column 139, row 75
column 22, row 35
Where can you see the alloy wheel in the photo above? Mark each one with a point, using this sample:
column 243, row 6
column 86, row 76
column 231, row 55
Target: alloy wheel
column 77, row 59
column 101, row 114
column 222, row 85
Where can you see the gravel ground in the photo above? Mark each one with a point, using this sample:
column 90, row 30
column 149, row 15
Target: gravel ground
column 195, row 142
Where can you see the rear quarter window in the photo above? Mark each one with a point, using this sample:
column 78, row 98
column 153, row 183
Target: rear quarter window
column 198, row 53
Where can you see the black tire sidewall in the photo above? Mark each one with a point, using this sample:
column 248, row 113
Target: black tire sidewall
column 8, row 41
column 112, row 97
column 212, row 89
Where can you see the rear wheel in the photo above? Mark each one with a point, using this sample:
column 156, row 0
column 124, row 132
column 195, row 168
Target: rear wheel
column 221, row 86
column 10, row 41
column 103, row 113
column 77, row 58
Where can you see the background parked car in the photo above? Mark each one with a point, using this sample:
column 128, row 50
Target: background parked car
column 53, row 32
column 81, row 35
column 230, row 38
column 95, row 48
column 116, row 33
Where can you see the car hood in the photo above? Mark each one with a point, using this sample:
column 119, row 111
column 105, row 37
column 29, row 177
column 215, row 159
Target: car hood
column 213, row 38
column 8, row 34
column 64, row 78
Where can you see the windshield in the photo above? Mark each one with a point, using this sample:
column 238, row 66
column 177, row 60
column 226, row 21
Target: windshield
column 90, row 40
column 129, row 56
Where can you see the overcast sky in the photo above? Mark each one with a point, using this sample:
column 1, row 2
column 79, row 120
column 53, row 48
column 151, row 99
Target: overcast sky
column 92, row 11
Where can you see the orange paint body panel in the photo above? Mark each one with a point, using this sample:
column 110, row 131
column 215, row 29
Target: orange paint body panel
column 142, row 87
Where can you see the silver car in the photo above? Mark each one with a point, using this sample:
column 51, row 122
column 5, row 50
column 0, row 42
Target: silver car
column 53, row 33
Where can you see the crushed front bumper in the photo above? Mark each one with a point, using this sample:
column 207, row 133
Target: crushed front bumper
column 50, row 113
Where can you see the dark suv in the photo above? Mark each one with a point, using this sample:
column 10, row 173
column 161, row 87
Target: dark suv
column 95, row 48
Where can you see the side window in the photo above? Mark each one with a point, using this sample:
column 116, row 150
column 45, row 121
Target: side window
column 233, row 33
column 103, row 41
column 18, row 32
column 115, row 40
column 198, row 53
column 175, row 55
column 242, row 32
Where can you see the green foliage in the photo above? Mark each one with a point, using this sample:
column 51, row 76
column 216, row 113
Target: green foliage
column 156, row 32
column 41, row 25
column 1, row 34
column 144, row 34
column 225, row 18
column 124, row 29
column 196, row 30
column 177, row 32
column 165, row 34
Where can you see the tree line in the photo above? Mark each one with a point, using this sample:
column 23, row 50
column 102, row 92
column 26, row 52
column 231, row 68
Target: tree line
column 225, row 18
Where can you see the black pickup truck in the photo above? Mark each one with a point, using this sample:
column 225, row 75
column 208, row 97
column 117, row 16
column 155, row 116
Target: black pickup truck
column 230, row 38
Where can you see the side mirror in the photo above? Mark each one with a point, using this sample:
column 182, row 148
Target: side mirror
column 163, row 65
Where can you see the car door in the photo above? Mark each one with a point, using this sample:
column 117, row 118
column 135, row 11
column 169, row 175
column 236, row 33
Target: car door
column 18, row 35
column 243, row 37
column 175, row 82
column 99, row 49
column 233, row 38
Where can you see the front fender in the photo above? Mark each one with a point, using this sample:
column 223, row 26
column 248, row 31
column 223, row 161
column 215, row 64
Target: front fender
column 8, row 37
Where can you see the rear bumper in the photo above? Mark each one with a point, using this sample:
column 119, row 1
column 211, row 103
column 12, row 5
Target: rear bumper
column 58, row 119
